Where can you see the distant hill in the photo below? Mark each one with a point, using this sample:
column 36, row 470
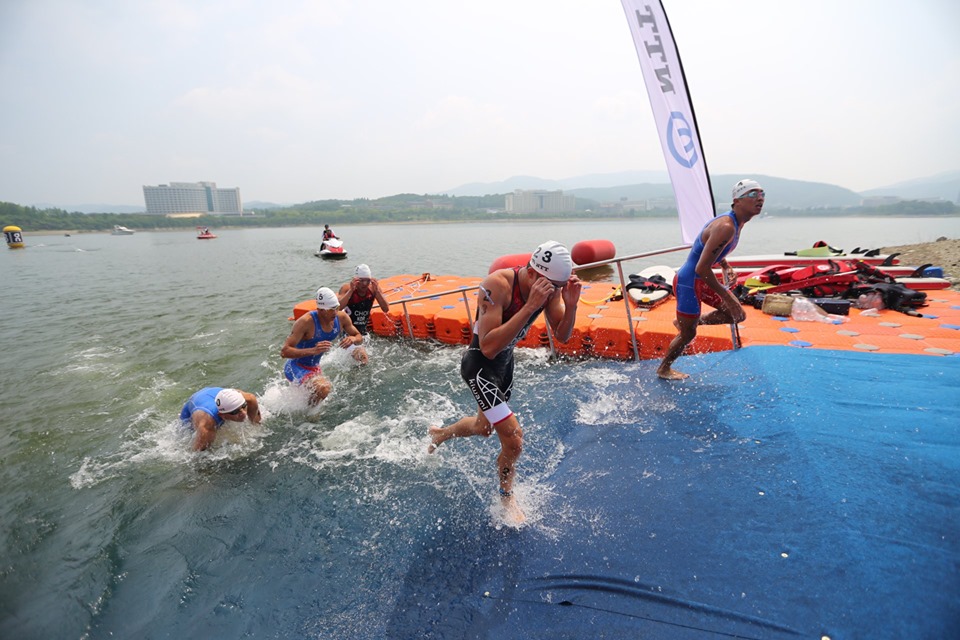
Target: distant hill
column 781, row 192
column 94, row 208
column 593, row 180
column 943, row 185
column 260, row 204
column 646, row 185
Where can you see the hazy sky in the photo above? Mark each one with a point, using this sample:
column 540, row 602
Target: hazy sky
column 302, row 100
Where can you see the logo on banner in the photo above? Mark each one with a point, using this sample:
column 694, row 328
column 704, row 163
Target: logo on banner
column 680, row 140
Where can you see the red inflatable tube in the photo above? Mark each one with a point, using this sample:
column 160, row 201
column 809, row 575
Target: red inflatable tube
column 510, row 261
column 588, row 251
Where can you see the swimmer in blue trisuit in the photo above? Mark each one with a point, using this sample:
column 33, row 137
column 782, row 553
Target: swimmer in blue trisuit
column 207, row 409
column 696, row 283
column 510, row 300
column 313, row 334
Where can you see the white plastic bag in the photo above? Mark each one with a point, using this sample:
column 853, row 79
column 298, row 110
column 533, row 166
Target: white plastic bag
column 870, row 300
column 805, row 310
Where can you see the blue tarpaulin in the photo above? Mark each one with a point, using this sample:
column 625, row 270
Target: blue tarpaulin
column 779, row 493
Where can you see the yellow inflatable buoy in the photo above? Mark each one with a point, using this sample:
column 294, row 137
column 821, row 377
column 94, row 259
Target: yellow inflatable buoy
column 14, row 236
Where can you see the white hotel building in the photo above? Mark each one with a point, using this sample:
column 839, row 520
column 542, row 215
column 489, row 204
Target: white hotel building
column 192, row 197
column 538, row 201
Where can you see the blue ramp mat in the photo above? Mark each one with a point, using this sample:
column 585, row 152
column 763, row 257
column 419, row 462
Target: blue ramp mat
column 779, row 493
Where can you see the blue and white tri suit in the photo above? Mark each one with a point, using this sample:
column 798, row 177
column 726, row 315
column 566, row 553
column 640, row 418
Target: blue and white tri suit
column 301, row 369
column 204, row 400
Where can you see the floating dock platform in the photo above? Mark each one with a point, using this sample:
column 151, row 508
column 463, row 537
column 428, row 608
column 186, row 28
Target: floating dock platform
column 442, row 308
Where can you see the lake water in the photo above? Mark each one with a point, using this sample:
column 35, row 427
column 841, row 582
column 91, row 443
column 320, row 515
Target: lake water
column 113, row 527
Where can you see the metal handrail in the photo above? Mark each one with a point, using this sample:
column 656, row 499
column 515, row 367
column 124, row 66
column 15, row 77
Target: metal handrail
column 593, row 265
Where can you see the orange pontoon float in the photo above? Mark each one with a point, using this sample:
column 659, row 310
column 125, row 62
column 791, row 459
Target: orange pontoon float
column 442, row 308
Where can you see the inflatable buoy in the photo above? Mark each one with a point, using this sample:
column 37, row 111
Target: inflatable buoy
column 14, row 236
column 589, row 251
column 510, row 261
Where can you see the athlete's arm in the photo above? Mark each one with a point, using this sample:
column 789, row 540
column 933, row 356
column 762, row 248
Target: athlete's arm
column 343, row 296
column 716, row 237
column 300, row 331
column 206, row 428
column 253, row 407
column 384, row 305
column 561, row 310
column 496, row 291
column 353, row 336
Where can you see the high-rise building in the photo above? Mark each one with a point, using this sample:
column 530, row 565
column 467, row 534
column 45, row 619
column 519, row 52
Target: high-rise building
column 521, row 201
column 192, row 197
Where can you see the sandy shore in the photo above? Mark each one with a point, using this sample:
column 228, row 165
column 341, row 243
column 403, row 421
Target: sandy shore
column 944, row 252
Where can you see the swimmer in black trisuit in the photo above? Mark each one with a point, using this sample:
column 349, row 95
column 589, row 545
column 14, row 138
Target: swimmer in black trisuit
column 357, row 298
column 510, row 300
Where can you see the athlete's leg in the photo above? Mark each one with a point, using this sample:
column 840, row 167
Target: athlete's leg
column 511, row 445
column 725, row 312
column 360, row 355
column 320, row 388
column 724, row 316
column 687, row 331
column 477, row 425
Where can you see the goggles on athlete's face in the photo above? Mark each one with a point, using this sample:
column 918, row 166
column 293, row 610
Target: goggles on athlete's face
column 236, row 411
column 556, row 285
column 754, row 193
column 364, row 281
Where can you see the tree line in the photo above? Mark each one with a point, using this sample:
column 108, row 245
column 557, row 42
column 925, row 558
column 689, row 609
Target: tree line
column 399, row 208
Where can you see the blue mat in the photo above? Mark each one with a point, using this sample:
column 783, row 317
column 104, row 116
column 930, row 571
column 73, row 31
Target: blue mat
column 779, row 493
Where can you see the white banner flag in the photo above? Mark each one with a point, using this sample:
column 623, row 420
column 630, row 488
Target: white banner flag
column 673, row 112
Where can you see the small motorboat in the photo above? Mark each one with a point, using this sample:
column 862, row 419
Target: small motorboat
column 120, row 230
column 331, row 249
column 203, row 233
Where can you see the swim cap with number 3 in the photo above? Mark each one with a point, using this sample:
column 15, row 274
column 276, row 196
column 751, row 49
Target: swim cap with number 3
column 552, row 260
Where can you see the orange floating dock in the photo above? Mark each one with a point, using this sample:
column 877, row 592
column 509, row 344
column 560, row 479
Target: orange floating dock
column 442, row 308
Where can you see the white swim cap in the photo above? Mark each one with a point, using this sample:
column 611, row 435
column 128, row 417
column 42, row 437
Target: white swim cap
column 229, row 400
column 744, row 186
column 327, row 299
column 362, row 271
column 552, row 260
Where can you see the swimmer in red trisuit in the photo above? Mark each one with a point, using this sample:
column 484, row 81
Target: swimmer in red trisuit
column 510, row 300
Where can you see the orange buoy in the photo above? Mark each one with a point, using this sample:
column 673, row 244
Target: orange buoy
column 510, row 261
column 589, row 251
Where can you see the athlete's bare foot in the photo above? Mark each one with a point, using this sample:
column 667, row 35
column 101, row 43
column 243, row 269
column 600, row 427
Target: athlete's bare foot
column 512, row 515
column 672, row 374
column 438, row 435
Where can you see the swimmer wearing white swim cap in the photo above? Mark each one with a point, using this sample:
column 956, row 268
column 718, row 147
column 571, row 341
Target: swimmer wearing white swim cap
column 206, row 410
column 509, row 302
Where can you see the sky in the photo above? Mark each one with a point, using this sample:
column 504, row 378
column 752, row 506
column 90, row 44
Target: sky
column 300, row 100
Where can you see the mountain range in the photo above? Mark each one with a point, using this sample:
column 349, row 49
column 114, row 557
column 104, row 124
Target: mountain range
column 783, row 192
column 647, row 185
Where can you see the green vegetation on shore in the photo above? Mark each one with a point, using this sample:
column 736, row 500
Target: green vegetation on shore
column 401, row 208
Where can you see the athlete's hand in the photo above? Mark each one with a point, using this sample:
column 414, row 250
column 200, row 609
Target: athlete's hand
column 322, row 347
column 729, row 277
column 734, row 308
column 540, row 292
column 571, row 291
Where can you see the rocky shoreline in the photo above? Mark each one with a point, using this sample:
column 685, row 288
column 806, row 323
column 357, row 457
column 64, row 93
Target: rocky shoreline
column 943, row 252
